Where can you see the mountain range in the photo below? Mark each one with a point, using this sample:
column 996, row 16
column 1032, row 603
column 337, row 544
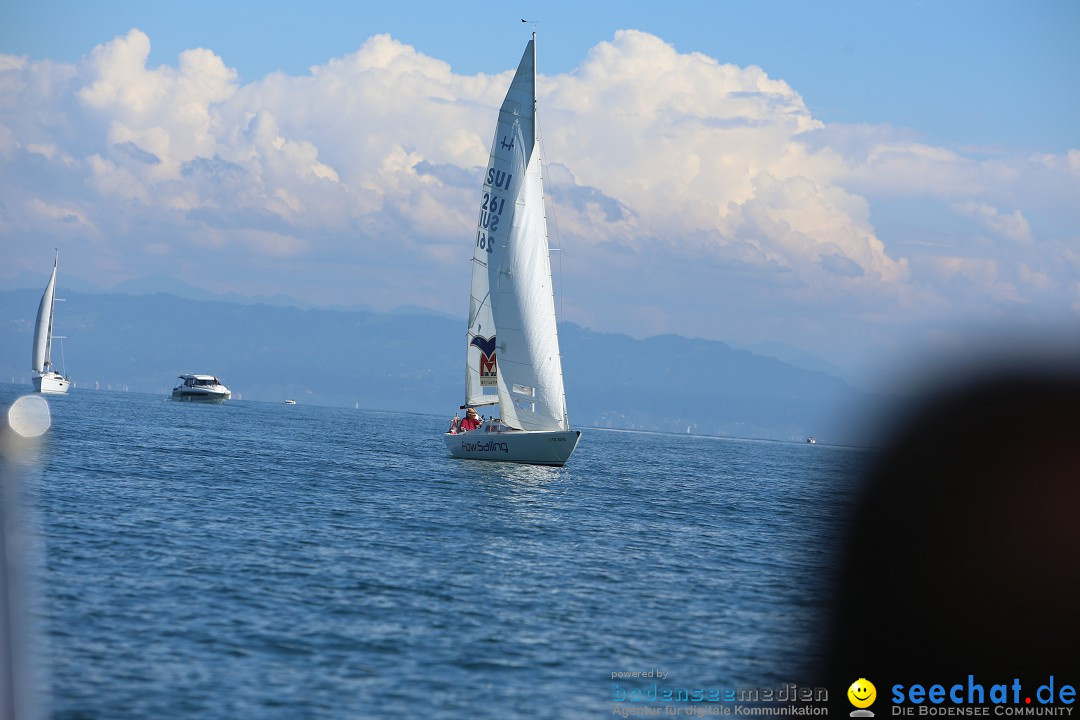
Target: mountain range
column 412, row 360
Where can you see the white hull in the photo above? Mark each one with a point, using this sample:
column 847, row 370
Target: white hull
column 52, row 383
column 532, row 447
column 188, row 395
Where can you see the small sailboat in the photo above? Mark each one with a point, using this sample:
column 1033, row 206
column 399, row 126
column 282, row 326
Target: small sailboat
column 512, row 343
column 46, row 378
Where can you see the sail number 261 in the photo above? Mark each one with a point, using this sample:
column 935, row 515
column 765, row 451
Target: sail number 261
column 490, row 211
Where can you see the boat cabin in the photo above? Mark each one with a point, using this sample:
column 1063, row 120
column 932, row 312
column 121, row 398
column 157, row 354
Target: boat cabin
column 199, row 380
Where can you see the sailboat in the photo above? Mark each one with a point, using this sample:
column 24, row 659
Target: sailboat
column 46, row 378
column 512, row 343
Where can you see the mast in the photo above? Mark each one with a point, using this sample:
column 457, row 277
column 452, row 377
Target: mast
column 536, row 131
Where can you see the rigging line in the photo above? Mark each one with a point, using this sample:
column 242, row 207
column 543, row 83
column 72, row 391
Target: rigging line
column 554, row 217
column 479, row 307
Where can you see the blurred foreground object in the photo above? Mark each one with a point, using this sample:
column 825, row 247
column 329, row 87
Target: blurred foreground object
column 962, row 551
column 24, row 423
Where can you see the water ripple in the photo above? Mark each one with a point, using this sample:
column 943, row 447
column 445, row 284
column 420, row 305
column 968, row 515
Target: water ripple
column 252, row 560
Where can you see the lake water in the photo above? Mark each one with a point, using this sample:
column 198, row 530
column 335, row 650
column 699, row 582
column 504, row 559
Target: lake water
column 253, row 560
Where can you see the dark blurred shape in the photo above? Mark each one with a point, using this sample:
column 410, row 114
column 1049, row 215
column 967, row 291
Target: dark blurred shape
column 963, row 552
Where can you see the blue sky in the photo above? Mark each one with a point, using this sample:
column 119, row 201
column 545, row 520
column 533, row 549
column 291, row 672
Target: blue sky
column 853, row 179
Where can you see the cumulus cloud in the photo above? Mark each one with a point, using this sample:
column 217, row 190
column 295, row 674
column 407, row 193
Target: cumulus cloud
column 1035, row 279
column 1070, row 162
column 166, row 112
column 699, row 149
column 667, row 170
column 1012, row 226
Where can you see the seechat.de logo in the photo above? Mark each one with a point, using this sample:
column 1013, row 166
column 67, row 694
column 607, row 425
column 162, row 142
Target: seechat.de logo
column 862, row 694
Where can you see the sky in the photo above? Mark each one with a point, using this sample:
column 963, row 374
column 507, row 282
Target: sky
column 866, row 182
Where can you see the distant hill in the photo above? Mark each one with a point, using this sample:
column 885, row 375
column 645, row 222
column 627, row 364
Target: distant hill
column 412, row 360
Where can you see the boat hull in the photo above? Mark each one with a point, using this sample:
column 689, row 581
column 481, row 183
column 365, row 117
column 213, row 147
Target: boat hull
column 202, row 397
column 52, row 383
column 515, row 446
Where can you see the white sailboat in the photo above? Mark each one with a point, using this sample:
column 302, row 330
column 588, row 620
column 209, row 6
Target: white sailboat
column 46, row 378
column 512, row 350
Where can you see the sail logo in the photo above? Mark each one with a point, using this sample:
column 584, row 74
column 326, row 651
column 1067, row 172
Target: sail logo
column 488, row 369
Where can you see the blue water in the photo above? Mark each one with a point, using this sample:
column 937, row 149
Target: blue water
column 254, row 560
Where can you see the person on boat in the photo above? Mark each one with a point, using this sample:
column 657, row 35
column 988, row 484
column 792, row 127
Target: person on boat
column 454, row 423
column 471, row 421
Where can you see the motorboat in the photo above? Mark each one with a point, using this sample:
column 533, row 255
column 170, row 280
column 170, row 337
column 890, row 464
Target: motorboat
column 201, row 388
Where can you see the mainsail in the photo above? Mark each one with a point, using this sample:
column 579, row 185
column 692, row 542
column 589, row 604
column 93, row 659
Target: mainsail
column 41, row 358
column 513, row 340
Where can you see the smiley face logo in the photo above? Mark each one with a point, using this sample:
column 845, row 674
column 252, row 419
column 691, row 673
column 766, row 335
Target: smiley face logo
column 862, row 693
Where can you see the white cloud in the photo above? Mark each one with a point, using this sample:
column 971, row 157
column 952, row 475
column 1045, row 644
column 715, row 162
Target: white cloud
column 8, row 144
column 981, row 276
column 698, row 149
column 709, row 182
column 1070, row 162
column 1035, row 279
column 63, row 215
column 166, row 111
column 1012, row 226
